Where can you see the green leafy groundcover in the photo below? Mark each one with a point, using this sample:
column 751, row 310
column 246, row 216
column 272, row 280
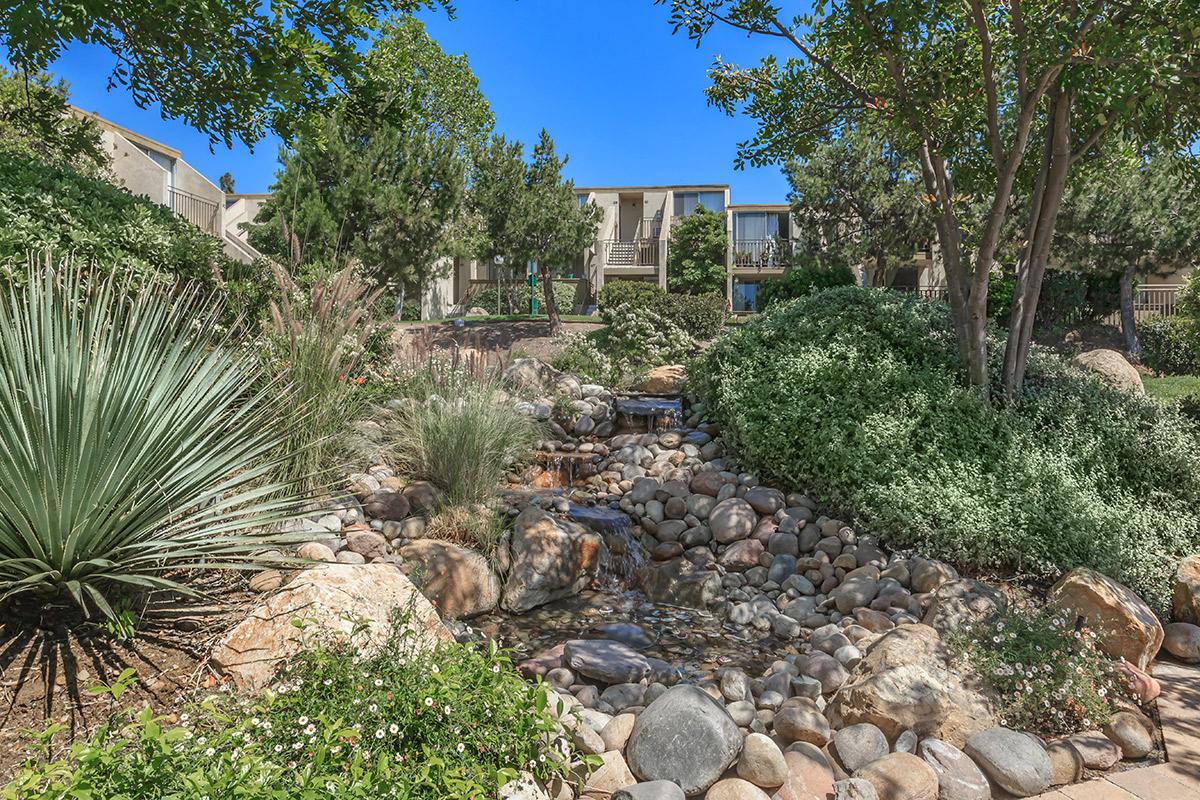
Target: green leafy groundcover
column 859, row 395
column 454, row 723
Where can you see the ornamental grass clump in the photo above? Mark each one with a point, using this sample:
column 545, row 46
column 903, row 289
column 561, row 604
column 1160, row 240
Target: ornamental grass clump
column 136, row 442
column 1045, row 672
column 457, row 722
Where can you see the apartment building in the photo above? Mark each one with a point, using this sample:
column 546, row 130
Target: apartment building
column 159, row 173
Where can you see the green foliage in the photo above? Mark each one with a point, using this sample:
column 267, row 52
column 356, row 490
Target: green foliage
column 696, row 257
column 317, row 344
column 36, row 121
column 635, row 293
column 49, row 209
column 859, row 396
column 802, row 281
column 513, row 298
column 458, row 429
column 1046, row 676
column 582, row 355
column 456, row 722
column 230, row 69
column 137, row 442
column 1170, row 345
column 636, row 339
column 1068, row 297
column 1183, row 390
column 857, row 201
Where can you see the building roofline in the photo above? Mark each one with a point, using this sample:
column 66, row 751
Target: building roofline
column 663, row 187
column 759, row 207
column 133, row 136
column 248, row 195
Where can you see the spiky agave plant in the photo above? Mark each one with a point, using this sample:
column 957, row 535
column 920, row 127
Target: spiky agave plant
column 134, row 442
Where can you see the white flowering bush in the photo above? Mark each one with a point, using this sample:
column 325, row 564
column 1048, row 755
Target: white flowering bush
column 636, row 339
column 456, row 722
column 1046, row 674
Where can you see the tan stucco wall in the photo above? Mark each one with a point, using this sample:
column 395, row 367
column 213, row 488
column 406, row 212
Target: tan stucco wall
column 133, row 169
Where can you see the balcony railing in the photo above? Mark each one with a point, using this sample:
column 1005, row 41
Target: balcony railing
column 761, row 253
column 201, row 212
column 1158, row 300
column 635, row 253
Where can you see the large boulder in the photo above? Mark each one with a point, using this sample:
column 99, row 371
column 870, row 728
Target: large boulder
column 1016, row 761
column 900, row 776
column 458, row 580
column 605, row 661
column 331, row 600
column 547, row 559
column 679, row 582
column 1112, row 368
column 683, row 736
column 1185, row 599
column 531, row 374
column 1182, row 640
column 667, row 379
column 1125, row 625
column 959, row 778
column 905, row 683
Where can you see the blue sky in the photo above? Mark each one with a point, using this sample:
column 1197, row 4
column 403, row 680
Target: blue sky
column 617, row 91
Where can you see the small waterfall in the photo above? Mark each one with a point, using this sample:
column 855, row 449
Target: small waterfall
column 626, row 556
column 649, row 414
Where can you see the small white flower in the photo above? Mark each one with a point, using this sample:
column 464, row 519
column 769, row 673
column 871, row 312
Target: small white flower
column 461, row 747
column 393, row 728
column 379, row 733
column 379, row 682
column 302, row 721
column 429, row 702
column 435, row 668
column 210, row 752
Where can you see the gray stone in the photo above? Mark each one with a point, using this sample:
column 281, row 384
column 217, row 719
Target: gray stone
column 1096, row 749
column 652, row 790
column 858, row 745
column 1131, row 734
column 609, row 662
column 761, row 761
column 732, row 520
column 764, row 500
column 1016, row 762
column 684, row 736
column 854, row 592
column 854, row 789
column 800, row 720
column 643, row 490
column 961, row 602
column 959, row 778
column 906, row 742
column 1182, row 640
column 782, row 567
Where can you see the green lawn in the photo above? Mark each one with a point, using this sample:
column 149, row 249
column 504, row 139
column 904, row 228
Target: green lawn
column 1172, row 387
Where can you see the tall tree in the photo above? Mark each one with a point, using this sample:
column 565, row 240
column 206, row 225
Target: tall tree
column 530, row 214
column 859, row 202
column 972, row 89
column 226, row 182
column 696, row 258
column 1135, row 215
column 229, row 68
column 35, row 119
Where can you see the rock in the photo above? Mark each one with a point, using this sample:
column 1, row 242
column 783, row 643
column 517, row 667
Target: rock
column 1185, row 597
column 349, row 557
column 1182, row 640
column 762, row 762
column 710, row 482
column 267, row 580
column 643, row 490
column 826, row 669
column 1112, row 368
column 680, row 583
column 1129, row 733
column 587, row 740
column 606, row 661
column 900, row 776
column 458, row 580
column 1096, row 749
column 732, row 520
column 529, row 373
column 1015, row 761
column 1138, row 683
column 684, row 736
column 905, row 682
column 742, row 555
column 524, row 787
column 651, row 790
column 854, row 592
column 906, row 742
column 960, row 602
column 1125, row 625
column 315, row 551
column 854, row 789
column 959, row 778
column 423, row 497
column 927, row 576
column 667, row 379
column 856, row 746
column 735, row 789
column 543, row 663
column 1066, row 765
column 332, row 598
column 616, row 732
column 367, row 544
column 387, row 506
column 627, row 633
column 549, row 559
column 800, row 720
column 764, row 500
column 612, row 774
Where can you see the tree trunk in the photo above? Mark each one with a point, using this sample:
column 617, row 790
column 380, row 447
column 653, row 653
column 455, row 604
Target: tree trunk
column 1032, row 269
column 551, row 306
column 1128, row 321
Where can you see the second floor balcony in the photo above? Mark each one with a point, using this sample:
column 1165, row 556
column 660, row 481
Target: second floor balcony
column 762, row 253
column 631, row 253
column 200, row 211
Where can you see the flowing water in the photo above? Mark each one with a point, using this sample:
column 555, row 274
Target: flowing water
column 648, row 414
column 626, row 556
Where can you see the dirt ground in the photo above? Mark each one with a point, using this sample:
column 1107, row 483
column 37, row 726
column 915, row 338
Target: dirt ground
column 502, row 341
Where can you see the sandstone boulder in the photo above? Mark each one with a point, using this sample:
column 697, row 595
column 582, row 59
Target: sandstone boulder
column 1112, row 368
column 667, row 379
column 1185, row 599
column 548, row 559
column 1125, row 625
column 458, row 580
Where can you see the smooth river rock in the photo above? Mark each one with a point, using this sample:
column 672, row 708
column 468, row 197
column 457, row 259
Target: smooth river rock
column 684, row 736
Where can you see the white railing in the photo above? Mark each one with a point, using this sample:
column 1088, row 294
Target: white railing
column 769, row 253
column 1157, row 300
column 634, row 253
column 201, row 212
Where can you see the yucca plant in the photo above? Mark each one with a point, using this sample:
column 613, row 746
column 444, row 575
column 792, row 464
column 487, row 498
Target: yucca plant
column 135, row 443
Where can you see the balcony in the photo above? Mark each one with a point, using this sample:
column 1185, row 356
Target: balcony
column 201, row 212
column 762, row 253
column 633, row 253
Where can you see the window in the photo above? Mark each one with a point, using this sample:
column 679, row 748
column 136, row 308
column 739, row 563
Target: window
column 745, row 297
column 582, row 199
column 686, row 202
column 755, row 226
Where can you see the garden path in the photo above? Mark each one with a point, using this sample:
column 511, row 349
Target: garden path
column 1179, row 777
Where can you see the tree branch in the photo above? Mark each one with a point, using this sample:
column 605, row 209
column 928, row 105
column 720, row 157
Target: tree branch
column 824, row 63
column 989, row 84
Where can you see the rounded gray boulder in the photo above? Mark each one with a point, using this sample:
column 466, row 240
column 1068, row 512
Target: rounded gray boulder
column 686, row 737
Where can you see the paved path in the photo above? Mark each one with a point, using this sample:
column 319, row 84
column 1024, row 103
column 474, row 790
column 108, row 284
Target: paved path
column 1179, row 777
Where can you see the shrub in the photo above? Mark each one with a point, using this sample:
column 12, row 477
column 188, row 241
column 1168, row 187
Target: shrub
column 642, row 294
column 700, row 315
column 1046, row 676
column 859, row 396
column 136, row 442
column 317, row 344
column 1170, row 345
column 636, row 339
column 801, row 282
column 581, row 355
column 696, row 257
column 514, row 298
column 1067, row 297
column 462, row 440
column 457, row 722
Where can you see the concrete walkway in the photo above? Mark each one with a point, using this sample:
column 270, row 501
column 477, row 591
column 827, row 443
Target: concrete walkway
column 1179, row 777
